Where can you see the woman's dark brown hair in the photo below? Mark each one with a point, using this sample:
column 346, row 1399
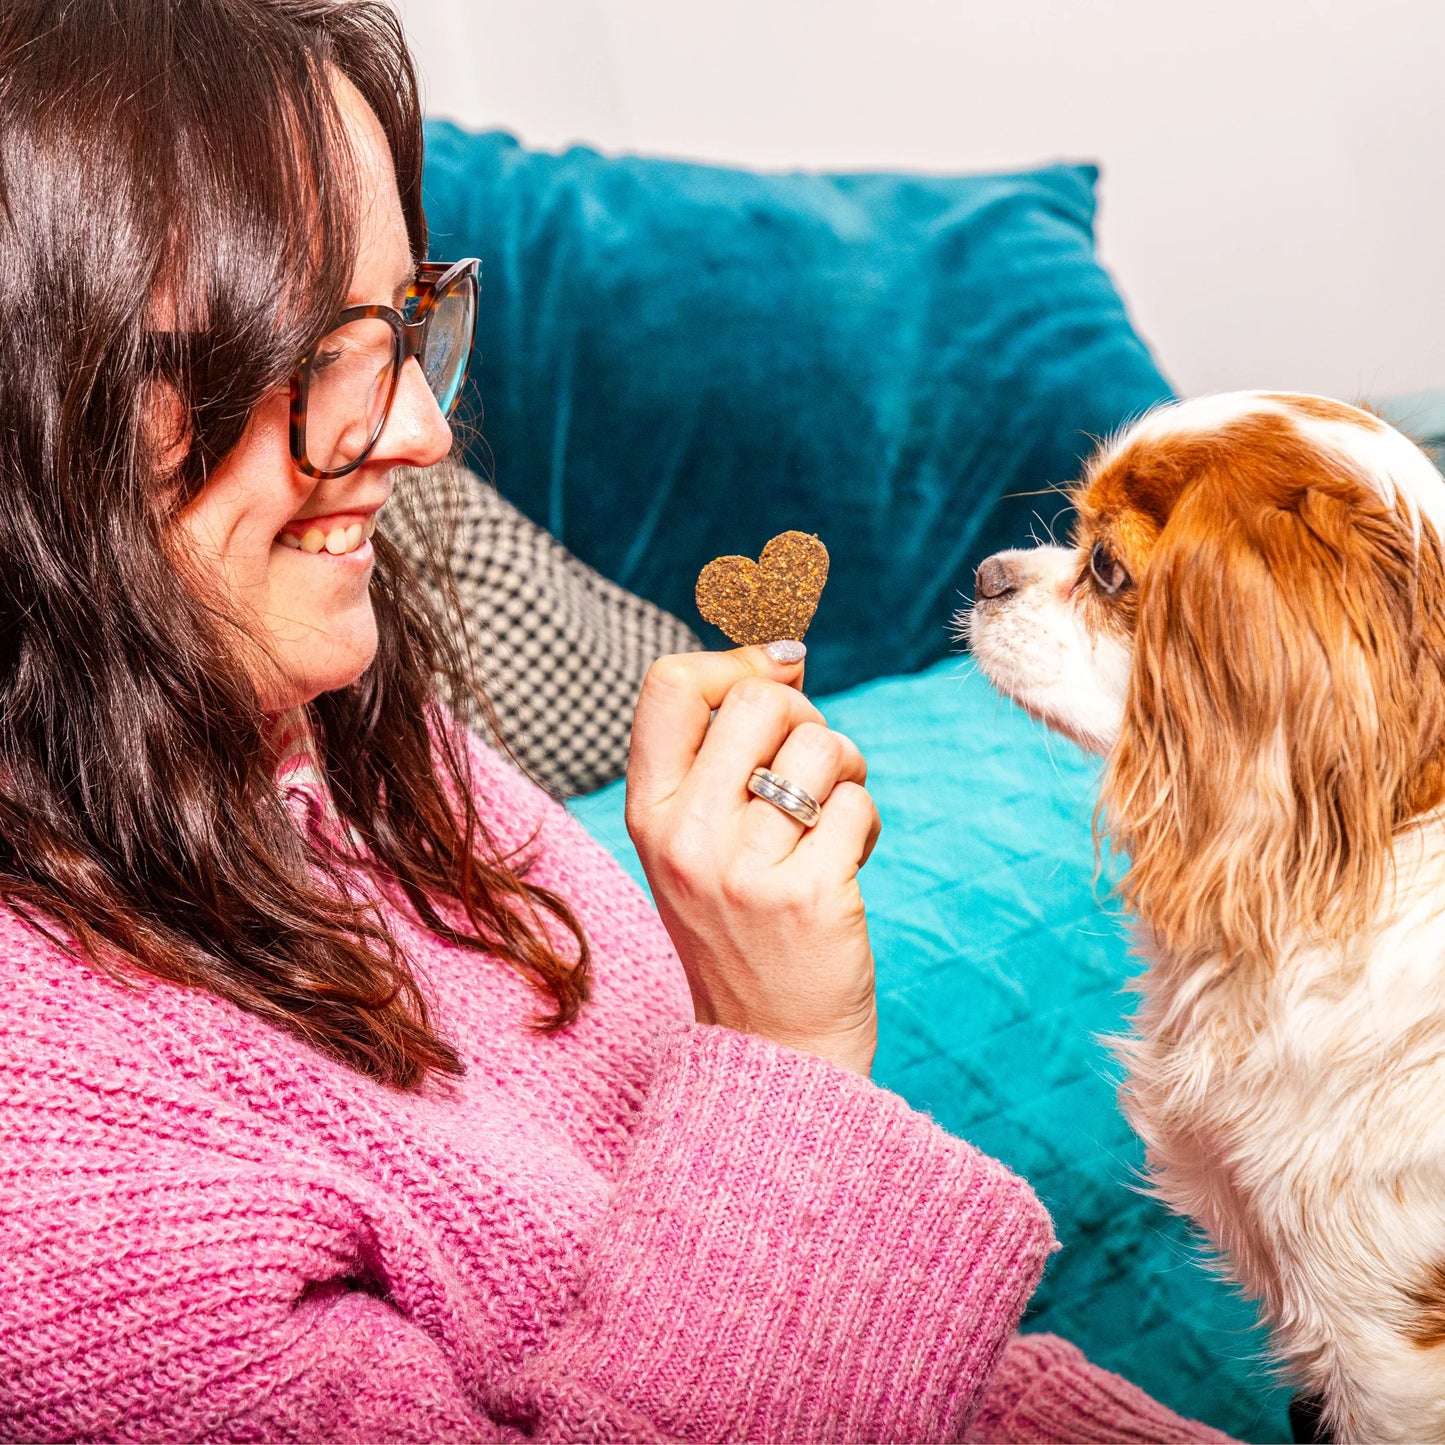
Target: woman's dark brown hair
column 176, row 222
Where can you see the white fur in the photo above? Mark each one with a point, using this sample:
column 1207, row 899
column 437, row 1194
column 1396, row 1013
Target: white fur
column 1310, row 1144
column 1198, row 414
column 1298, row 1115
column 1395, row 465
column 1036, row 648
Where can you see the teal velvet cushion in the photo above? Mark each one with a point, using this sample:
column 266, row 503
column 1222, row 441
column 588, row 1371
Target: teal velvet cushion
column 1000, row 966
column 678, row 361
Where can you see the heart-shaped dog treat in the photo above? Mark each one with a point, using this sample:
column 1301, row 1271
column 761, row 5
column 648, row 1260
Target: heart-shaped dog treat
column 770, row 599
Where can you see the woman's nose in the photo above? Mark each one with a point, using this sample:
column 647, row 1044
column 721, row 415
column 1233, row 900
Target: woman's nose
column 416, row 433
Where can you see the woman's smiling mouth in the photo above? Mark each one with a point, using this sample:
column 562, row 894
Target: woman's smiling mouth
column 337, row 535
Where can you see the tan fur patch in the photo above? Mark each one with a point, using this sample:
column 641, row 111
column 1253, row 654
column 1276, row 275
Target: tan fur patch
column 1321, row 408
column 1428, row 1328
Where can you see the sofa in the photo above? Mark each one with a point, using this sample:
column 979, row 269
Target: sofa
column 676, row 361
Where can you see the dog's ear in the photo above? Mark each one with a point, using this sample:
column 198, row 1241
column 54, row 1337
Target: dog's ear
column 1285, row 713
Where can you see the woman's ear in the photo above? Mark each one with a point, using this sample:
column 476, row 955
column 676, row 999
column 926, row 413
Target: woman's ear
column 1285, row 704
column 165, row 426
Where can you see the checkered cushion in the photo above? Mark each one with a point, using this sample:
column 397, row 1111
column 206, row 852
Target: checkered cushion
column 559, row 650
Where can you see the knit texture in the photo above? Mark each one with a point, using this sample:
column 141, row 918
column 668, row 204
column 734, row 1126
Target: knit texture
column 638, row 1228
column 1045, row 1390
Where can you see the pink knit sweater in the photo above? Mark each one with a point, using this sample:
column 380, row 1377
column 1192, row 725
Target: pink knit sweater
column 637, row 1229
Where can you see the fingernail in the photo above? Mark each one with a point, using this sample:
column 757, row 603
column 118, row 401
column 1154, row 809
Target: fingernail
column 786, row 651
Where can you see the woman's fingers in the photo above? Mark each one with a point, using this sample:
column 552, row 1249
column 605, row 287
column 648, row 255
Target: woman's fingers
column 813, row 758
column 849, row 827
column 677, row 699
column 754, row 722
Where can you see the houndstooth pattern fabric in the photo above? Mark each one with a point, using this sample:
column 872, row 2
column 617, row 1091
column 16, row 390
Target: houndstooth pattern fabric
column 559, row 651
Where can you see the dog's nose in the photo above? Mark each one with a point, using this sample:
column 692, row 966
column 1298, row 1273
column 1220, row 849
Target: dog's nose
column 993, row 579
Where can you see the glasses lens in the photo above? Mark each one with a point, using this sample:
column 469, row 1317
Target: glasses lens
column 449, row 342
column 353, row 371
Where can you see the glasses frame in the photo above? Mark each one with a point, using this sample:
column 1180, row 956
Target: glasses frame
column 433, row 279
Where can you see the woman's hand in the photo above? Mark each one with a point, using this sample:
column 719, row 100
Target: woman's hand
column 765, row 914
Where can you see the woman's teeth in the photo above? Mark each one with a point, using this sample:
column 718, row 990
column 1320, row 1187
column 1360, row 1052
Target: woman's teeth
column 337, row 541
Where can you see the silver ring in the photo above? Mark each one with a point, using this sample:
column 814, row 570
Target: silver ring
column 796, row 802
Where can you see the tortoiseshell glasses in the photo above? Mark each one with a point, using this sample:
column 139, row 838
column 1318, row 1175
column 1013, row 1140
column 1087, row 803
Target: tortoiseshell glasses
column 341, row 393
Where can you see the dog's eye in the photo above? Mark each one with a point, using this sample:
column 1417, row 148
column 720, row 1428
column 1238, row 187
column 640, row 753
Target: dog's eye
column 1108, row 571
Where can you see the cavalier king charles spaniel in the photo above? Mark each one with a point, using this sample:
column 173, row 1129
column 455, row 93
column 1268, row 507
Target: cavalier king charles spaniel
column 1250, row 628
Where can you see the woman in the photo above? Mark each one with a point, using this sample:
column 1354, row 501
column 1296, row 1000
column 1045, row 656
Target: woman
column 347, row 1091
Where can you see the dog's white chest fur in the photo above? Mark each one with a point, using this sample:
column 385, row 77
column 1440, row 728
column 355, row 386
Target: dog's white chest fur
column 1300, row 1119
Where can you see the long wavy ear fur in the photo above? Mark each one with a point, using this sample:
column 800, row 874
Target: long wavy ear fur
column 1286, row 708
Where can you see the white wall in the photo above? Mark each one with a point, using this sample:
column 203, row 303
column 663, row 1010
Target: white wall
column 1273, row 200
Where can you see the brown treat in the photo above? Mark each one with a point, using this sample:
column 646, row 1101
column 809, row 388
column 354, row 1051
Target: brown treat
column 768, row 600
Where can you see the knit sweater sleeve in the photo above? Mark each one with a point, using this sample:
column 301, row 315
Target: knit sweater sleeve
column 788, row 1253
column 794, row 1254
column 1045, row 1391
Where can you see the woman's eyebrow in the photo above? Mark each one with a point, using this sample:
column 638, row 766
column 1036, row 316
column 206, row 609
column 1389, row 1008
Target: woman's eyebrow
column 398, row 294
column 402, row 286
